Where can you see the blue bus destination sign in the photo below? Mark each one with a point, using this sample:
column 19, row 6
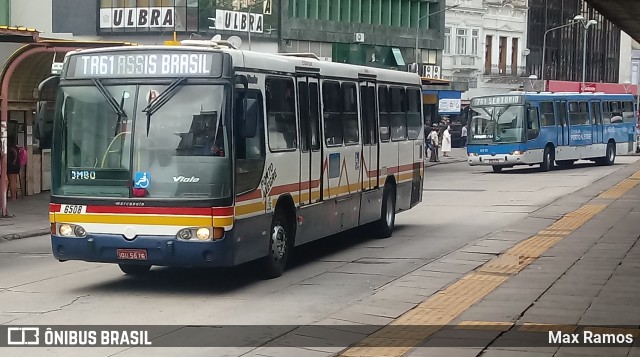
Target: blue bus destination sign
column 144, row 64
column 498, row 100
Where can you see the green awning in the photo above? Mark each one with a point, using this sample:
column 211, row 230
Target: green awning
column 397, row 55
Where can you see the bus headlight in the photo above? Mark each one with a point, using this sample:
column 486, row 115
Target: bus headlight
column 517, row 152
column 472, row 154
column 65, row 230
column 203, row 233
column 79, row 231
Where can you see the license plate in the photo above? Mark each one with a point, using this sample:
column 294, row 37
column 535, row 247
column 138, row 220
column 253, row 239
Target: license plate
column 73, row 209
column 131, row 254
column 491, row 161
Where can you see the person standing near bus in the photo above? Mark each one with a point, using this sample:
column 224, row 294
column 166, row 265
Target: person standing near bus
column 446, row 142
column 463, row 135
column 434, row 143
column 13, row 169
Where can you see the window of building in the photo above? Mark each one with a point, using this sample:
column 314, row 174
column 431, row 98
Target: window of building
column 475, row 41
column 281, row 116
column 332, row 99
column 447, row 40
column 350, row 113
column 547, row 114
column 461, row 41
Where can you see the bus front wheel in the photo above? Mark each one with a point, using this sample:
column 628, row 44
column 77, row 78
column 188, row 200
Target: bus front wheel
column 273, row 265
column 547, row 160
column 134, row 269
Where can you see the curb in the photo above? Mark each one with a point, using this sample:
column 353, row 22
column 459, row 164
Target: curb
column 22, row 235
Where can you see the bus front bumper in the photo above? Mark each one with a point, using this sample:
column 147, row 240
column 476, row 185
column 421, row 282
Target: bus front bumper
column 151, row 250
column 496, row 160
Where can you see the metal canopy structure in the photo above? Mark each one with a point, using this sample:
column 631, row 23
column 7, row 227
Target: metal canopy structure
column 623, row 13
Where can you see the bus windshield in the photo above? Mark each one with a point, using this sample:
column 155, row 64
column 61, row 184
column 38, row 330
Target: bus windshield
column 108, row 145
column 497, row 124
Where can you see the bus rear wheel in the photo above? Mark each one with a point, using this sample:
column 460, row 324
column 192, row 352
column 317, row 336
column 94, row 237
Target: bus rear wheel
column 273, row 265
column 134, row 269
column 388, row 218
column 610, row 156
column 496, row 168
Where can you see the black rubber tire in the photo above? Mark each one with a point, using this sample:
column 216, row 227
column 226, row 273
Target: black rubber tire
column 547, row 160
column 387, row 214
column 496, row 168
column 565, row 164
column 134, row 269
column 280, row 245
column 610, row 156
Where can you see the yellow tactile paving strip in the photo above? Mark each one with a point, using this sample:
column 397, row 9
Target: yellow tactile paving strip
column 444, row 306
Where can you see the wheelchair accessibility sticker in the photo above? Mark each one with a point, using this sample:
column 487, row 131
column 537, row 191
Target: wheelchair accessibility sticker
column 141, row 180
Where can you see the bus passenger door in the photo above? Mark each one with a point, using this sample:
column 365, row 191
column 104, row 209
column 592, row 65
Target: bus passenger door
column 369, row 161
column 310, row 142
column 596, row 114
column 562, row 123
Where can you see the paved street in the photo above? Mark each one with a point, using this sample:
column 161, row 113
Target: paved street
column 468, row 217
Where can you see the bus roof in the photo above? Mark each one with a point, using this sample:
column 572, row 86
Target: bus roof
column 279, row 63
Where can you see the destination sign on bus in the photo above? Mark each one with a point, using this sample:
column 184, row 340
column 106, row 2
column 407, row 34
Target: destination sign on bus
column 144, row 64
column 498, row 100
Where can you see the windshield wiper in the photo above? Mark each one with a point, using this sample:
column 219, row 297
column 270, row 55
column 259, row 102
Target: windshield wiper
column 162, row 99
column 110, row 99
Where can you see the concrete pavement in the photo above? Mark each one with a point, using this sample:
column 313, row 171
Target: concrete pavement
column 456, row 155
column 29, row 217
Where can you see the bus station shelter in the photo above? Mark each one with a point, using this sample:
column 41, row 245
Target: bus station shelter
column 20, row 77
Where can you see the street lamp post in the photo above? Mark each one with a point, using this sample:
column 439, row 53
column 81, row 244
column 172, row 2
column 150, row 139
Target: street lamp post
column 249, row 7
column 418, row 28
column 585, row 24
column 544, row 41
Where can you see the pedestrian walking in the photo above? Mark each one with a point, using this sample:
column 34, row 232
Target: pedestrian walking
column 13, row 169
column 463, row 134
column 434, row 142
column 446, row 142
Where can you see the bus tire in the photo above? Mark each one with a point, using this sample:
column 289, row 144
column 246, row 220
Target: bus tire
column 496, row 168
column 280, row 239
column 134, row 269
column 610, row 157
column 388, row 213
column 547, row 160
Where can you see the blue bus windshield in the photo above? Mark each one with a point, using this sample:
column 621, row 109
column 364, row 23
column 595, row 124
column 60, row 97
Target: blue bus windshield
column 497, row 124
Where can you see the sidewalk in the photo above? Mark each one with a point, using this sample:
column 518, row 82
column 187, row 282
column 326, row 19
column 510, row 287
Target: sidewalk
column 456, row 155
column 571, row 267
column 30, row 218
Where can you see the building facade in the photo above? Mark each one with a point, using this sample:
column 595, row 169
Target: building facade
column 564, row 47
column 485, row 45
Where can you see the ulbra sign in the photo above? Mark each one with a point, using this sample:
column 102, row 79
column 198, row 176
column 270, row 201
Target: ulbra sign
column 139, row 17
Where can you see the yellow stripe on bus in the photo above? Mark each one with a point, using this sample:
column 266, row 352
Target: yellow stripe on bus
column 156, row 220
column 242, row 210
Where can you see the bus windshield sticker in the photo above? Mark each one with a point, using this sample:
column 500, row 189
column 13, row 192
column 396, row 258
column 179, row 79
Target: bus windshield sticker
column 334, row 165
column 83, row 175
column 357, row 161
column 267, row 181
column 142, row 180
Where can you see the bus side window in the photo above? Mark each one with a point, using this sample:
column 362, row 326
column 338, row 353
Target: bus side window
column 332, row 100
column 616, row 112
column 547, row 113
column 596, row 111
column 250, row 151
column 607, row 112
column 414, row 115
column 533, row 124
column 383, row 105
column 574, row 114
column 399, row 114
column 627, row 112
column 350, row 113
column 584, row 113
column 561, row 113
column 281, row 115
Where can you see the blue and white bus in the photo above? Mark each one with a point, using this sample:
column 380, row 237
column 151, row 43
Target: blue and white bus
column 546, row 128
